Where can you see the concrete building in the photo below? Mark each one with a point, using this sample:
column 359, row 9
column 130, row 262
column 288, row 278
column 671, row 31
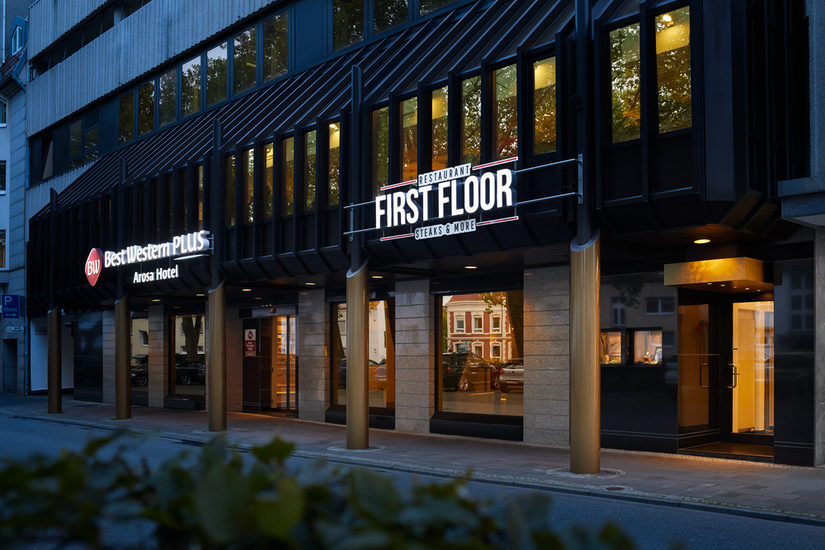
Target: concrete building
column 292, row 198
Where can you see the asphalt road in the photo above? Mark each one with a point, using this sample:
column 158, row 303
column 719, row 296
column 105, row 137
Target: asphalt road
column 650, row 526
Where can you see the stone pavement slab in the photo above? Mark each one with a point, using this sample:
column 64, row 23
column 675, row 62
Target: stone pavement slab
column 786, row 493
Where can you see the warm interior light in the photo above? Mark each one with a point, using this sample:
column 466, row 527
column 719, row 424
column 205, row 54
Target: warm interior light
column 667, row 18
column 470, row 267
column 246, row 289
column 201, row 294
column 156, row 299
column 377, row 276
column 309, row 283
column 701, row 241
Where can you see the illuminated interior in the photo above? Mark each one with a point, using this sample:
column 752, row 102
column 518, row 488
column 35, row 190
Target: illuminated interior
column 752, row 374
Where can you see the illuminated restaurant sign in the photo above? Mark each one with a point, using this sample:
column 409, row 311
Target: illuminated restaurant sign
column 180, row 247
column 446, row 193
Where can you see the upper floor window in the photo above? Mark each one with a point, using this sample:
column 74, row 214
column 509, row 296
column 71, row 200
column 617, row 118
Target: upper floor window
column 389, row 14
column 544, row 105
column 216, row 74
column 429, row 6
column 471, row 120
column 248, row 189
column 380, row 148
column 275, row 46
column 167, row 97
column 625, row 83
column 230, row 190
column 347, row 23
column 334, row 159
column 2, row 176
column 310, row 167
column 409, row 138
column 439, row 128
column 673, row 69
column 244, row 66
column 190, row 100
column 505, row 112
column 288, row 156
column 269, row 176
column 16, row 40
column 2, row 249
column 3, row 109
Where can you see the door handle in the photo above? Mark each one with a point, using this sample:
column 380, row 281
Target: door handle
column 703, row 366
column 734, row 376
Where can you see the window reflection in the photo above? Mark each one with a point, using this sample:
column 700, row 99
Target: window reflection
column 409, row 139
column 146, row 108
column 244, row 61
column 268, row 177
column 381, row 357
column 429, row 6
column 347, row 22
column 189, row 374
column 481, row 372
column 140, row 355
column 471, row 120
column 275, row 46
column 505, row 112
column 625, row 88
column 167, row 96
column 287, row 198
column 673, row 69
column 216, row 74
column 248, row 167
column 190, row 87
column 126, row 118
column 230, row 190
column 388, row 14
column 310, row 167
column 439, row 128
column 544, row 105
column 334, row 164
column 380, row 148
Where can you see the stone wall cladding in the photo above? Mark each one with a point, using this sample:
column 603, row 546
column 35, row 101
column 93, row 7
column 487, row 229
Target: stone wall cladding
column 414, row 356
column 234, row 360
column 158, row 356
column 313, row 355
column 108, row 356
column 547, row 356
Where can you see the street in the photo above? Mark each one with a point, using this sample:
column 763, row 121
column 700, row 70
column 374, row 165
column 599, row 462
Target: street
column 650, row 526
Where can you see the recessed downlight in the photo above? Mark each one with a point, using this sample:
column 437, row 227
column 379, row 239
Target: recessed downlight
column 200, row 294
column 377, row 276
column 246, row 290
column 156, row 299
column 470, row 267
column 701, row 241
column 309, row 283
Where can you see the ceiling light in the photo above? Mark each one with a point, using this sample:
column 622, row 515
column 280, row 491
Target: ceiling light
column 258, row 298
column 667, row 18
column 377, row 276
column 309, row 283
column 200, row 294
column 246, row 290
column 701, row 241
column 747, row 288
column 470, row 267
column 156, row 299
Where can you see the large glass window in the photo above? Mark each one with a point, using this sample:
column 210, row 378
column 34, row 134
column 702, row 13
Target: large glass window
column 146, row 108
column 216, row 74
column 244, row 60
column 334, row 181
column 388, row 14
column 380, row 148
column 381, row 359
column 409, row 139
column 347, row 23
column 439, row 128
column 673, row 69
column 248, row 167
column 140, row 356
column 230, row 190
column 544, row 105
column 310, row 168
column 288, row 156
column 505, row 112
column 126, row 117
column 189, row 375
column 190, row 87
column 275, row 46
column 75, row 142
column 268, row 179
column 625, row 86
column 471, row 120
column 167, row 96
column 482, row 372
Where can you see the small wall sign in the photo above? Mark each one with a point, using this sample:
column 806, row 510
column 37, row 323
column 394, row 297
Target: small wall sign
column 250, row 342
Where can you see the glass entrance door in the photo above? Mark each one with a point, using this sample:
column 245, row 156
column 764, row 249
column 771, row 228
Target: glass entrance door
column 284, row 363
column 750, row 376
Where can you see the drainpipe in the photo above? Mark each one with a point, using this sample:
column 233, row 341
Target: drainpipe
column 585, row 374
column 357, row 297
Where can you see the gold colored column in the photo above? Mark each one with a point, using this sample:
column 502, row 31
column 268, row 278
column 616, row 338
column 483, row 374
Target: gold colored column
column 123, row 354
column 216, row 360
column 357, row 356
column 585, row 373
column 55, row 375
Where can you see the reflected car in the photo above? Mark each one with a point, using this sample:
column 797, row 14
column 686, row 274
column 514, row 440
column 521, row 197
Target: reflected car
column 377, row 374
column 511, row 377
column 464, row 371
column 140, row 370
column 190, row 372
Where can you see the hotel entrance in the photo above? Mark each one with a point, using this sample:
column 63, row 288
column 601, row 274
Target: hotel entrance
column 726, row 375
column 270, row 364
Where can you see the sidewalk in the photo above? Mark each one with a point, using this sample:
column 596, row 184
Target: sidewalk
column 784, row 493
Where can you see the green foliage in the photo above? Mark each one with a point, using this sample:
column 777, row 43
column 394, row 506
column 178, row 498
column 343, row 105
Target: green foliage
column 217, row 499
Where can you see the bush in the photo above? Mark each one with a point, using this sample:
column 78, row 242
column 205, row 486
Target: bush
column 96, row 499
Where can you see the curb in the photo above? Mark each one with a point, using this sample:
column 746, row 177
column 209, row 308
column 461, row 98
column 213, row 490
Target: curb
column 479, row 477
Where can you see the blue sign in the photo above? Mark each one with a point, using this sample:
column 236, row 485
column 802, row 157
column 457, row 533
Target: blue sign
column 11, row 306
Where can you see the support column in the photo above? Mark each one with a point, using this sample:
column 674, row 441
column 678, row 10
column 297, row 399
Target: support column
column 55, row 378
column 123, row 354
column 819, row 347
column 216, row 360
column 357, row 352
column 585, row 374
